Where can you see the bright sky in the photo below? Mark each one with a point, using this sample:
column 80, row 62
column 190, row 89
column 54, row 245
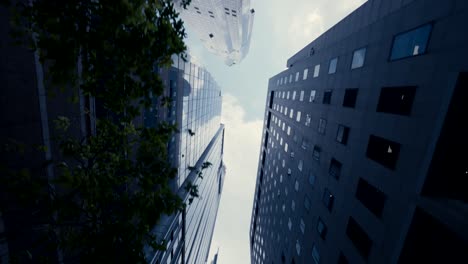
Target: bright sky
column 281, row 28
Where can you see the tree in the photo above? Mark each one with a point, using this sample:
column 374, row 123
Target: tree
column 113, row 185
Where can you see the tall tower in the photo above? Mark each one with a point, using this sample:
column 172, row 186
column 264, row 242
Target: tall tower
column 224, row 26
column 196, row 108
column 362, row 149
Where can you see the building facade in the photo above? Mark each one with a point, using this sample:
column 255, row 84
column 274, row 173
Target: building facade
column 28, row 117
column 196, row 108
column 224, row 27
column 361, row 156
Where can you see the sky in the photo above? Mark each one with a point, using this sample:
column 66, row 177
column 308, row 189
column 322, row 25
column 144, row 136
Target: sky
column 281, row 28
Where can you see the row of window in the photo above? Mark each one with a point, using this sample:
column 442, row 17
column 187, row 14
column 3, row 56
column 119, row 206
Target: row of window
column 407, row 44
column 393, row 100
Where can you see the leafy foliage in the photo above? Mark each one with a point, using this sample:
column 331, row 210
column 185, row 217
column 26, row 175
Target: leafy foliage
column 110, row 188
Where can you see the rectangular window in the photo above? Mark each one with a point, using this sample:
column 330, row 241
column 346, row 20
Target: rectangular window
column 291, row 113
column 290, row 78
column 306, row 72
column 307, row 121
column 383, row 151
column 316, row 70
column 297, row 77
column 299, row 165
column 371, row 197
column 328, row 199
column 312, row 96
column 359, row 238
column 359, row 57
column 322, row 126
column 411, row 43
column 315, row 255
column 301, row 97
column 342, row 134
column 335, row 168
column 316, row 153
column 321, row 228
column 287, row 95
column 294, row 95
column 305, row 143
column 298, row 116
column 307, row 203
column 327, row 97
column 342, row 259
column 332, row 66
column 350, row 97
column 396, row 100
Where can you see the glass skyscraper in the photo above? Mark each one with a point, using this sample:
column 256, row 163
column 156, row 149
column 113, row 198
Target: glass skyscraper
column 362, row 149
column 196, row 108
column 224, row 27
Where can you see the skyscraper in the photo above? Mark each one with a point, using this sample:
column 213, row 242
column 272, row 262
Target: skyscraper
column 362, row 149
column 196, row 108
column 224, row 27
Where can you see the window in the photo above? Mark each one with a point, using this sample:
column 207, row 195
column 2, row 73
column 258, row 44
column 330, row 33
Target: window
column 312, row 96
column 290, row 78
column 371, row 197
column 322, row 126
column 342, row 134
column 383, row 151
column 289, row 224
column 296, row 185
column 327, row 97
column 294, row 95
column 342, row 259
column 315, row 255
column 306, row 72
column 396, row 100
column 311, row 179
column 411, row 43
column 297, row 76
column 287, row 95
column 299, row 165
column 359, row 238
column 358, row 58
column 285, row 147
column 335, row 168
column 328, row 199
column 307, row 203
column 305, row 143
column 301, row 97
column 298, row 116
column 350, row 97
column 302, row 226
column 316, row 70
column 307, row 121
column 321, row 228
column 316, row 153
column 332, row 66
column 298, row 248
column 289, row 130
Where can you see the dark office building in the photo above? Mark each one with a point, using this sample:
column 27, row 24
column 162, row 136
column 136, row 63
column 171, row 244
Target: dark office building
column 363, row 151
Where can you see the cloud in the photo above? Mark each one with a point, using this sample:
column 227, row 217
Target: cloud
column 241, row 152
column 303, row 29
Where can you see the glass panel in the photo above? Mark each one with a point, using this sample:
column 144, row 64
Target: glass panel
column 358, row 58
column 332, row 66
column 411, row 43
